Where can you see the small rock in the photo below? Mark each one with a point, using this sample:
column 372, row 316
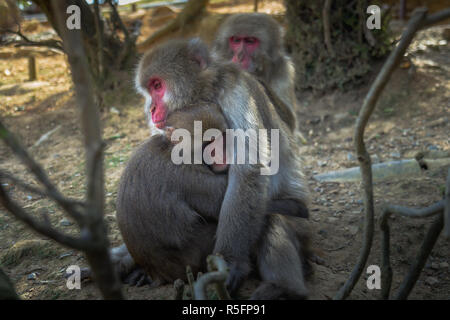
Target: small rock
column 323, row 233
column 353, row 230
column 32, row 276
column 114, row 110
column 7, row 72
column 443, row 265
column 431, row 281
column 65, row 223
column 332, row 219
column 321, row 163
column 432, row 147
column 434, row 265
column 395, row 154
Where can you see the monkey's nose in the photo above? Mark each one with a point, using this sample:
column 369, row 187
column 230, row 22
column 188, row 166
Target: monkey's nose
column 152, row 108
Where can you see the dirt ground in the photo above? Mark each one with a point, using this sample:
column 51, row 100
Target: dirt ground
column 411, row 116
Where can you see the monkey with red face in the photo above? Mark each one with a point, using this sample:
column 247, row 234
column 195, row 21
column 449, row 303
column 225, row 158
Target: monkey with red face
column 254, row 41
column 168, row 216
column 180, row 74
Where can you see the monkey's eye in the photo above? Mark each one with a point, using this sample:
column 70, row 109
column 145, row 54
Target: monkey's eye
column 235, row 39
column 250, row 40
column 155, row 84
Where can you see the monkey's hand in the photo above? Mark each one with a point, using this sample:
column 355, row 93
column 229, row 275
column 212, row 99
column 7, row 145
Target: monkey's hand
column 168, row 131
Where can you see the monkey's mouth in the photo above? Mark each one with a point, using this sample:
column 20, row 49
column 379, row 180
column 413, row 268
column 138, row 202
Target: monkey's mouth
column 160, row 124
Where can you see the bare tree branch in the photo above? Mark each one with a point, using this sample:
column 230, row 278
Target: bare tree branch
column 218, row 273
column 97, row 255
column 425, row 250
column 99, row 31
column 44, row 227
column 386, row 270
column 12, row 142
column 117, row 20
column 43, row 193
column 361, row 151
column 55, row 44
column 436, row 17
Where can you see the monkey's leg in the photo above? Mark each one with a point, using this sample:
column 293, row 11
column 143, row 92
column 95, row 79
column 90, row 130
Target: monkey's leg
column 289, row 207
column 280, row 263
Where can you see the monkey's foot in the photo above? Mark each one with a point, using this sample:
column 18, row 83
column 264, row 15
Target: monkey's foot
column 138, row 278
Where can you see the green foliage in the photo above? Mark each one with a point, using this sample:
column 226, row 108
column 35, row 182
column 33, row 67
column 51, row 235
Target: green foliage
column 353, row 57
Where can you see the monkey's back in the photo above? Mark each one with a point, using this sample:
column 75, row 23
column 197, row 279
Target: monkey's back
column 162, row 228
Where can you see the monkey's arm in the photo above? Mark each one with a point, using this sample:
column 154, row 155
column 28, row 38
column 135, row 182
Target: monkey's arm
column 243, row 209
column 286, row 113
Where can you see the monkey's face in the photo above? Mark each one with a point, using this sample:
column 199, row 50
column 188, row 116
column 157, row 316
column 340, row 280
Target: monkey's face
column 167, row 76
column 244, row 48
column 157, row 89
column 249, row 40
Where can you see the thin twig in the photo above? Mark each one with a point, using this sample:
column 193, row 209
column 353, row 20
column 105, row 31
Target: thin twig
column 117, row 20
column 55, row 44
column 361, row 151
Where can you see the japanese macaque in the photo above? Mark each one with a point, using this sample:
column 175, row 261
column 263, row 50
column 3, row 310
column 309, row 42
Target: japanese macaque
column 168, row 215
column 179, row 74
column 254, row 41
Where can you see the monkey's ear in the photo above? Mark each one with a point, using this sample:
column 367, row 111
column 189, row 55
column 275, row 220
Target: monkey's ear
column 199, row 52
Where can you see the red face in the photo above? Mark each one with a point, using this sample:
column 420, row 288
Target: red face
column 243, row 48
column 157, row 89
